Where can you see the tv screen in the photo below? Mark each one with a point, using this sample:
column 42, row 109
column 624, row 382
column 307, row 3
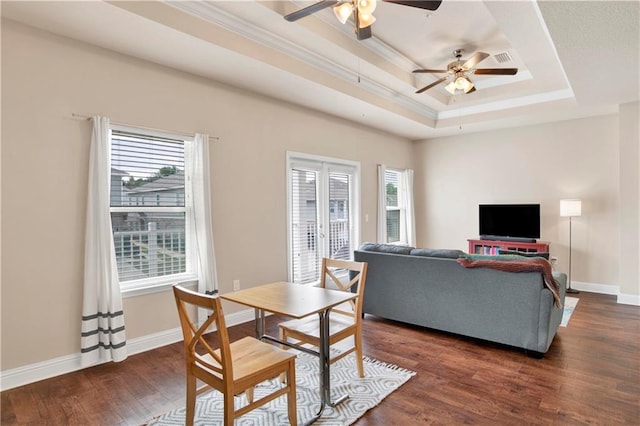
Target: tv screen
column 510, row 220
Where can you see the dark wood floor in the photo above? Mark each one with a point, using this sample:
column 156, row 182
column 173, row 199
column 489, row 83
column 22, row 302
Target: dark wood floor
column 591, row 375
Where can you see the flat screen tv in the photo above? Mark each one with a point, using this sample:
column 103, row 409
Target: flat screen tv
column 509, row 221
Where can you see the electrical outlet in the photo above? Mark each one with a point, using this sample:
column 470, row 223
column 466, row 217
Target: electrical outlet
column 236, row 285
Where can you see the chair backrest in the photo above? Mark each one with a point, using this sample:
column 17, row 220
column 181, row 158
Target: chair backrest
column 356, row 276
column 196, row 346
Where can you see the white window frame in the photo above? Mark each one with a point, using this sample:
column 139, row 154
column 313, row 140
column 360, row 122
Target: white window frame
column 160, row 283
column 324, row 165
column 401, row 207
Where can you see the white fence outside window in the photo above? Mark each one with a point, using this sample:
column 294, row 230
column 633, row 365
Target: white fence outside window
column 149, row 253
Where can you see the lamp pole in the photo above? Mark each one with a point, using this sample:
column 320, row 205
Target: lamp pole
column 570, row 208
column 569, row 289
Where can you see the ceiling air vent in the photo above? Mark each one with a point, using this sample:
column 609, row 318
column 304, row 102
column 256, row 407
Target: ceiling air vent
column 501, row 58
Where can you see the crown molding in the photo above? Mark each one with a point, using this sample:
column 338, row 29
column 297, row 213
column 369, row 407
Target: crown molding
column 210, row 12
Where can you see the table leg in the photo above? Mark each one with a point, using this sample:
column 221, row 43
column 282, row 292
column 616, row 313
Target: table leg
column 325, row 376
column 326, row 361
column 259, row 314
column 325, row 372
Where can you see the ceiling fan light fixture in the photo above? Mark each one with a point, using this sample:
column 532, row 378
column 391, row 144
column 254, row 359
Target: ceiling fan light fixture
column 343, row 11
column 365, row 20
column 366, row 7
column 451, row 87
column 462, row 83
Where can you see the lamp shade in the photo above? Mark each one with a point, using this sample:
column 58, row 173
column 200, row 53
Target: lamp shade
column 365, row 20
column 570, row 208
column 366, row 7
column 451, row 87
column 461, row 83
column 343, row 11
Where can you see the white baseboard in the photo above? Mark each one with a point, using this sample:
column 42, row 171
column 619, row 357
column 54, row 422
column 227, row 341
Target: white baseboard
column 240, row 317
column 614, row 290
column 39, row 371
column 596, row 288
column 629, row 299
column 69, row 363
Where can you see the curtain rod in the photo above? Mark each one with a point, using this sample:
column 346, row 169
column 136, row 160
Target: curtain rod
column 86, row 117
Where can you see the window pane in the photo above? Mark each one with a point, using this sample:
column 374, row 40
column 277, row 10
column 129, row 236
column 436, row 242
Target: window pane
column 149, row 244
column 339, row 216
column 391, row 182
column 393, row 226
column 146, row 171
column 304, row 224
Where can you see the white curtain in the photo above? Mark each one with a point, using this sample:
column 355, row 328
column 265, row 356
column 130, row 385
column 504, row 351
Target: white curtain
column 103, row 336
column 407, row 176
column 200, row 213
column 382, row 205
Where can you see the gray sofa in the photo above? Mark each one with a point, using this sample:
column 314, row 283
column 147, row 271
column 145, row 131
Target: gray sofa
column 429, row 288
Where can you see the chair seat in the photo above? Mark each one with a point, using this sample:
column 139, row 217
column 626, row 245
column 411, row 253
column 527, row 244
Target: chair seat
column 338, row 324
column 251, row 358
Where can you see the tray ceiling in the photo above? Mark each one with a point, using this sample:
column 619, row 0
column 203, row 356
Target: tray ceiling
column 563, row 51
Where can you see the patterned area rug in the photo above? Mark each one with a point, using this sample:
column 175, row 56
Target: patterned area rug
column 380, row 380
column 569, row 306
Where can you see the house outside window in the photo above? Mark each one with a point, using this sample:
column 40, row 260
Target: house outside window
column 149, row 208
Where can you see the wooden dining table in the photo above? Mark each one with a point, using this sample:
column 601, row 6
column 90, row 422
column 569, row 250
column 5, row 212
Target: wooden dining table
column 297, row 301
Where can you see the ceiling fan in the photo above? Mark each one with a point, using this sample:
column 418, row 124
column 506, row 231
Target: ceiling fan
column 460, row 69
column 362, row 11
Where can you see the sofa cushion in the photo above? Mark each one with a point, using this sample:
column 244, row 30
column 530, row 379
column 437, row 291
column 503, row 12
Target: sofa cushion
column 386, row 248
column 524, row 253
column 441, row 253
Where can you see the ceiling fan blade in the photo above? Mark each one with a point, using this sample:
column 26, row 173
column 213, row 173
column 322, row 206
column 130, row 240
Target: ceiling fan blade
column 431, row 71
column 474, row 60
column 429, row 5
column 294, row 16
column 435, row 83
column 496, row 71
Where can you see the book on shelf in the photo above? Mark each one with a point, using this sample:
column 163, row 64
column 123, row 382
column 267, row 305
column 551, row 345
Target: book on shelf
column 488, row 250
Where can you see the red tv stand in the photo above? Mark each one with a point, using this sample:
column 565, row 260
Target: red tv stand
column 492, row 246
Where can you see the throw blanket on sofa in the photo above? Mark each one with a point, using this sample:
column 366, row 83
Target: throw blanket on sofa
column 529, row 265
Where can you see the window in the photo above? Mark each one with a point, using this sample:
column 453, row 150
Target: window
column 149, row 207
column 323, row 206
column 395, row 216
column 396, row 211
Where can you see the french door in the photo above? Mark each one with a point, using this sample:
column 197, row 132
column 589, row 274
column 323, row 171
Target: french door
column 323, row 205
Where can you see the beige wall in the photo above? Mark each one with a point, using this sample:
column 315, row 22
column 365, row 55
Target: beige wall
column 44, row 178
column 629, row 201
column 536, row 164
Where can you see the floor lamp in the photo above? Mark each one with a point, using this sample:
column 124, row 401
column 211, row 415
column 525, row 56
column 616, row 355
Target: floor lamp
column 570, row 208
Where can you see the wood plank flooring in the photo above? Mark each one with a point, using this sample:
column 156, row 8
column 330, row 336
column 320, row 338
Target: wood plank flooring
column 591, row 375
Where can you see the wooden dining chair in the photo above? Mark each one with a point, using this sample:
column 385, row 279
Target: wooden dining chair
column 345, row 321
column 231, row 368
